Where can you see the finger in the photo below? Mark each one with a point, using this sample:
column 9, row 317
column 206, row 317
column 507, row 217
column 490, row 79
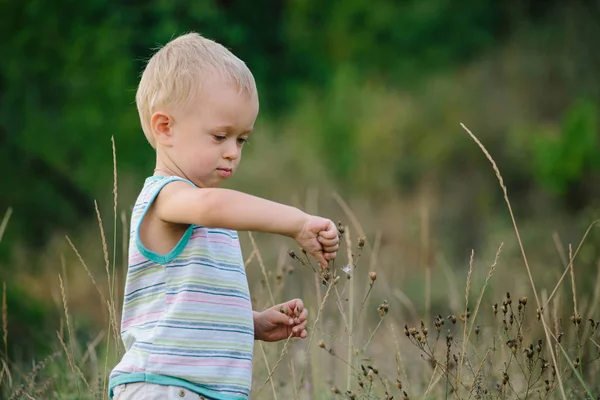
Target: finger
column 301, row 317
column 330, row 231
column 330, row 249
column 281, row 315
column 298, row 305
column 299, row 328
column 321, row 259
column 295, row 306
column 330, row 256
column 328, row 242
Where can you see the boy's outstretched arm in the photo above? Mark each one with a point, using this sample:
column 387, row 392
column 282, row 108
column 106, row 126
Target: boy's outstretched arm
column 180, row 203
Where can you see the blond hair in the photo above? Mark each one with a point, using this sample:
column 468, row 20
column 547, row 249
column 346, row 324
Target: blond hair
column 174, row 74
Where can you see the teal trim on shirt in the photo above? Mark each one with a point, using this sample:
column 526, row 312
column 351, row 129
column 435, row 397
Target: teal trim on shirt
column 138, row 377
column 171, row 255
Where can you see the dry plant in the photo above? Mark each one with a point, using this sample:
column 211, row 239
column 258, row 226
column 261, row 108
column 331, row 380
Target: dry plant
column 497, row 347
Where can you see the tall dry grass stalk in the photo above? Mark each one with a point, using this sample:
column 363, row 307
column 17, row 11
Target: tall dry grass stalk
column 111, row 279
column 262, row 268
column 466, row 319
column 425, row 261
column 568, row 266
column 87, row 270
column 262, row 350
column 270, row 373
column 477, row 306
column 4, row 223
column 4, row 320
column 70, row 353
column 111, row 288
column 350, row 214
column 3, row 226
column 514, row 222
column 350, row 309
column 75, row 370
column 313, row 330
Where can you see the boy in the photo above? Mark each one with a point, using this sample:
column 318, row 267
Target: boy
column 188, row 324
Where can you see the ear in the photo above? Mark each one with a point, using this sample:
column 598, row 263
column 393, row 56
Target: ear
column 162, row 128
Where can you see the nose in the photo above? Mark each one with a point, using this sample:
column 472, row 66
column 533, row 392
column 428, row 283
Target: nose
column 231, row 150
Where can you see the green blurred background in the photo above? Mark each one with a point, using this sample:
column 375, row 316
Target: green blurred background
column 364, row 98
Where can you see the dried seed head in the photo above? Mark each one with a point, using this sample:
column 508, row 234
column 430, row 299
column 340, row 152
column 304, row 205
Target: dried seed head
column 508, row 299
column 335, row 390
column 477, row 329
column 523, row 300
column 576, row 363
column 372, row 276
column 341, row 229
column 511, row 319
column 370, row 375
column 529, row 351
column 504, row 308
column 383, row 308
column 495, row 308
column 321, row 344
column 361, row 242
column 559, row 337
column 539, row 314
column 452, row 318
column 405, row 396
column 425, row 331
column 292, row 254
column 538, row 346
column 398, row 384
column 406, row 331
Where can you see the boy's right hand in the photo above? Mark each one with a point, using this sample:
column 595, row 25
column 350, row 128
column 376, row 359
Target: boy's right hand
column 319, row 237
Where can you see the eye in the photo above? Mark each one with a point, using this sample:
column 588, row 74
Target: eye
column 242, row 141
column 220, row 138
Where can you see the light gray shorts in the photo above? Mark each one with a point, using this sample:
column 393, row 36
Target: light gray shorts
column 152, row 391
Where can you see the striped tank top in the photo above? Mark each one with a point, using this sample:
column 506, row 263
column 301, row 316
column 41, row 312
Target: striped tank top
column 187, row 316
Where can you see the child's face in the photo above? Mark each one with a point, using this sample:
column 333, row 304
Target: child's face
column 205, row 143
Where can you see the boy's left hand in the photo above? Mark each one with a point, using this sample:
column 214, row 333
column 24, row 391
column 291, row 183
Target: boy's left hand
column 280, row 321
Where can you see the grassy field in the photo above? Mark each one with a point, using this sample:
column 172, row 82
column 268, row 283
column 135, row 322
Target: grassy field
column 502, row 327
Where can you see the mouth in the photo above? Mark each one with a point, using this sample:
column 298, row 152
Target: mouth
column 225, row 172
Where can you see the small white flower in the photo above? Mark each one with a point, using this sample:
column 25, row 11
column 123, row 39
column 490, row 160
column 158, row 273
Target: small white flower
column 347, row 269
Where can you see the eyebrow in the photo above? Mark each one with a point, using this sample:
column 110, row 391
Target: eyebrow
column 230, row 128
